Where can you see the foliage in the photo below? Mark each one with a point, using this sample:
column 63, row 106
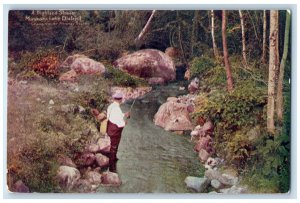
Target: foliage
column 233, row 113
column 44, row 62
column 200, row 65
column 121, row 78
column 270, row 166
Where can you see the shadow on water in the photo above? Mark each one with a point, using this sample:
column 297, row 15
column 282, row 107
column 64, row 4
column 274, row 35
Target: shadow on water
column 152, row 160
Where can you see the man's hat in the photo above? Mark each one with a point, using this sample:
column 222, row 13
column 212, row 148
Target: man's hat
column 117, row 95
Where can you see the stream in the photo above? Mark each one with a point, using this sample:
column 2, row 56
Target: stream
column 152, row 160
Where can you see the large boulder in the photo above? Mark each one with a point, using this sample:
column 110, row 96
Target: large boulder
column 196, row 183
column 174, row 115
column 67, row 177
column 111, row 179
column 148, row 63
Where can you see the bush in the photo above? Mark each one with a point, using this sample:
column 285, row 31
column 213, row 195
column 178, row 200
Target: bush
column 199, row 65
column 233, row 113
column 121, row 78
column 44, row 62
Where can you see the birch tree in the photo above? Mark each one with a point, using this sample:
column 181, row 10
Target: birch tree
column 264, row 38
column 243, row 39
column 145, row 29
column 216, row 53
column 279, row 106
column 225, row 52
column 272, row 70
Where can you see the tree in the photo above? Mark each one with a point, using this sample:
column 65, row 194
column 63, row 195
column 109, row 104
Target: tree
column 225, row 53
column 216, row 53
column 145, row 29
column 272, row 70
column 243, row 39
column 264, row 38
column 279, row 106
column 194, row 31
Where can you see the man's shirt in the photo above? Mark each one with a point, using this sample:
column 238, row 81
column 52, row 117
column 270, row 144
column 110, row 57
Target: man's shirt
column 115, row 114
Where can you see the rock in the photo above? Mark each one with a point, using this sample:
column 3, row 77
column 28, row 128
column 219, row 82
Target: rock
column 66, row 161
column 67, row 177
column 70, row 76
column 130, row 93
column 215, row 184
column 205, row 143
column 187, row 74
column 51, row 102
column 234, row 190
column 102, row 160
column 93, row 148
column 203, row 155
column 104, row 144
column 148, row 63
column 93, row 177
column 193, row 86
column 214, row 174
column 174, row 115
column 87, row 66
column 111, row 179
column 233, row 179
column 86, row 159
column 81, row 109
column 212, row 163
column 206, row 129
column 19, row 186
column 196, row 183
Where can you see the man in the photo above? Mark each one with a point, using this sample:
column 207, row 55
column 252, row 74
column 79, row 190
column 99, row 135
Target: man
column 115, row 126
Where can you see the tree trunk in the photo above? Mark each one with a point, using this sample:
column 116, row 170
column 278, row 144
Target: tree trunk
column 264, row 38
column 180, row 38
column 145, row 29
column 272, row 70
column 282, row 66
column 216, row 53
column 243, row 39
column 194, row 31
column 225, row 53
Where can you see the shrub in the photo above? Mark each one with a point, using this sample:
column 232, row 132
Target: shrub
column 44, row 62
column 199, row 65
column 233, row 114
column 121, row 78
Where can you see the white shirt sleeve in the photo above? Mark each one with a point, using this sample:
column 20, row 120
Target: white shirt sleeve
column 115, row 115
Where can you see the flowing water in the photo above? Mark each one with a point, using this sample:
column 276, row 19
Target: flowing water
column 152, row 160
